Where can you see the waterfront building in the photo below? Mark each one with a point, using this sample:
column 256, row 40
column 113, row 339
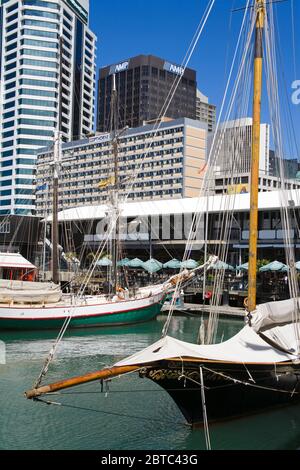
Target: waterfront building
column 31, row 34
column 229, row 183
column 205, row 111
column 143, row 84
column 164, row 163
column 233, row 146
column 166, row 225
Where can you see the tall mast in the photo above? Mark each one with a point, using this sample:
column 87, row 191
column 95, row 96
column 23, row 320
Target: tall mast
column 115, row 190
column 56, row 163
column 258, row 67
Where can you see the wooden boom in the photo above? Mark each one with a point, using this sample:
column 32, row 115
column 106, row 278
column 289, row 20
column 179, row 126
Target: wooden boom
column 82, row 379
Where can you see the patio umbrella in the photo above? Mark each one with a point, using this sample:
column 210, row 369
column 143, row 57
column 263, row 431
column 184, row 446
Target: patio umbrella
column 274, row 266
column 123, row 262
column 189, row 264
column 135, row 263
column 243, row 267
column 222, row 265
column 152, row 265
column 104, row 262
column 172, row 264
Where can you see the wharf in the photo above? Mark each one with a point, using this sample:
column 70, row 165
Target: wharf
column 198, row 309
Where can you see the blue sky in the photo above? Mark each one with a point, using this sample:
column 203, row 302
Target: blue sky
column 165, row 28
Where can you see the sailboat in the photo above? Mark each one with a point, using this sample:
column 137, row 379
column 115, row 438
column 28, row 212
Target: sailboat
column 256, row 369
column 41, row 305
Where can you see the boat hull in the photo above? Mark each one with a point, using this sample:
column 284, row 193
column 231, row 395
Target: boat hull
column 256, row 388
column 83, row 317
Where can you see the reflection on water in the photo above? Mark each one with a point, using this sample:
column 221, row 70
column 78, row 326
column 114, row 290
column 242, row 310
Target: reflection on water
column 134, row 414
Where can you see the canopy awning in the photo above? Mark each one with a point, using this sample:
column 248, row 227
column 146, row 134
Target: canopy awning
column 15, row 261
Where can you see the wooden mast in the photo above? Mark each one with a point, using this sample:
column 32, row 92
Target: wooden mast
column 258, row 66
column 115, row 189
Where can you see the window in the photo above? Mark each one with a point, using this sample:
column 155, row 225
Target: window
column 38, row 63
column 8, row 124
column 7, row 134
column 36, row 32
column 24, row 151
column 38, row 112
column 39, row 73
column 8, row 153
column 24, row 181
column 10, row 66
column 11, row 104
column 11, row 56
column 42, row 24
column 39, row 143
column 6, row 163
column 39, row 53
column 41, row 83
column 12, row 8
column 11, row 47
column 9, row 115
column 9, row 76
column 40, row 3
column 41, row 13
column 5, row 202
column 36, row 122
column 44, row 93
column 40, row 132
column 34, row 42
column 12, row 17
column 10, row 85
column 24, row 202
column 29, row 102
column 24, row 171
column 6, row 173
column 25, row 161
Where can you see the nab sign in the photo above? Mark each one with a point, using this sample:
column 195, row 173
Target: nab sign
column 174, row 68
column 119, row 68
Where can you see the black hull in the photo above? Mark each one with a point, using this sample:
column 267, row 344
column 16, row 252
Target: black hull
column 225, row 399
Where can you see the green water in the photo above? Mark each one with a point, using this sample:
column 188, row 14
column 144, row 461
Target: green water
column 134, row 414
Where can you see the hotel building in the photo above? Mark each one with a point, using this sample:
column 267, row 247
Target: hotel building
column 166, row 163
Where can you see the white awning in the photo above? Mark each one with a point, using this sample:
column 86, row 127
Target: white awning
column 15, row 261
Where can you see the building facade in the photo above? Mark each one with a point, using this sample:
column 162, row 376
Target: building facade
column 164, row 163
column 205, row 112
column 32, row 103
column 233, row 147
column 239, row 183
column 143, row 85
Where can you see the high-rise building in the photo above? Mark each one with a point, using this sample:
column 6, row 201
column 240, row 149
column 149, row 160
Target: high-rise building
column 205, row 112
column 31, row 100
column 143, row 84
column 233, row 147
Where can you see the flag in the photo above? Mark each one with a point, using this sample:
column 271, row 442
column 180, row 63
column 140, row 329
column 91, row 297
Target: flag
column 42, row 187
column 107, row 182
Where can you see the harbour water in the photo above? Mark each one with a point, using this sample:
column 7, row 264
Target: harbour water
column 133, row 413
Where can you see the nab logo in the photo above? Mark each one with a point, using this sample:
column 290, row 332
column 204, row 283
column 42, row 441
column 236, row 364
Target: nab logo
column 2, row 353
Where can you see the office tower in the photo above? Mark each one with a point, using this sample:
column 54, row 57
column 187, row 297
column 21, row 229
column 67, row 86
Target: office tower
column 143, row 85
column 205, row 112
column 32, row 101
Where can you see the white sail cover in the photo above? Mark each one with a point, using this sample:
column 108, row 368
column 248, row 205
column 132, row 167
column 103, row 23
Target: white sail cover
column 247, row 346
column 272, row 313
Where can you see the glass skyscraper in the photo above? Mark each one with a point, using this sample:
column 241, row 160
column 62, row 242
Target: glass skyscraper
column 30, row 97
